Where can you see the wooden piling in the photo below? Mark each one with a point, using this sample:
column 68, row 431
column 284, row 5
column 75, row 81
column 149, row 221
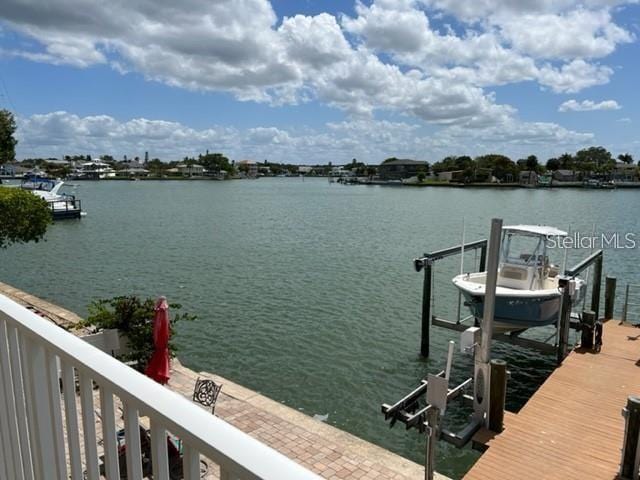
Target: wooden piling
column 497, row 395
column 595, row 292
column 628, row 466
column 587, row 329
column 426, row 310
column 609, row 297
column 625, row 307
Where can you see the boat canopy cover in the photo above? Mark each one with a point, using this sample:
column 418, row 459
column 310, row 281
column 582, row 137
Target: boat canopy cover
column 541, row 230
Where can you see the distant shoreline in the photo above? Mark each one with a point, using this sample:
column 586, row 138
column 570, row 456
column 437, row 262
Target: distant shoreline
column 381, row 183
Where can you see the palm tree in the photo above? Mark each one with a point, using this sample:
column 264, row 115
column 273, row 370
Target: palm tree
column 626, row 158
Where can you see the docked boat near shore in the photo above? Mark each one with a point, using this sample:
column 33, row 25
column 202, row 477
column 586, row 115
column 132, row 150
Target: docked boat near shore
column 527, row 293
column 62, row 205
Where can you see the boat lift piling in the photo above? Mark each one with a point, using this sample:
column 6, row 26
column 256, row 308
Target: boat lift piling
column 482, row 354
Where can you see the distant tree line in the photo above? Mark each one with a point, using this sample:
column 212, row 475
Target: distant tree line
column 596, row 160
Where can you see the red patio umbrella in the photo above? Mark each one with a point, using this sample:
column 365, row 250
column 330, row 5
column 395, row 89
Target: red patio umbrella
column 158, row 367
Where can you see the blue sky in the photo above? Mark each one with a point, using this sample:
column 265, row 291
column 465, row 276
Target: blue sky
column 319, row 81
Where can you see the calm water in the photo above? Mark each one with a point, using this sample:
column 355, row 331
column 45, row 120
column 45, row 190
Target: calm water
column 305, row 290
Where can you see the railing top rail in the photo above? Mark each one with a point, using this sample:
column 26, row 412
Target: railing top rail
column 583, row 265
column 447, row 252
column 211, row 436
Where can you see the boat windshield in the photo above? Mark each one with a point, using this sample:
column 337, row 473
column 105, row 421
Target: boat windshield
column 522, row 249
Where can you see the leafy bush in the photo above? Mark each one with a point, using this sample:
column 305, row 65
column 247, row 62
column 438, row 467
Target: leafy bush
column 133, row 317
column 24, row 217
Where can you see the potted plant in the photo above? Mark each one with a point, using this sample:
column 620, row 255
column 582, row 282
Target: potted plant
column 133, row 318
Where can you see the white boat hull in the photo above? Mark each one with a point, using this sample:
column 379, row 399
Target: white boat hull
column 514, row 309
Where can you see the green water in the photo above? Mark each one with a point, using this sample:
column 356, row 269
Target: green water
column 305, row 290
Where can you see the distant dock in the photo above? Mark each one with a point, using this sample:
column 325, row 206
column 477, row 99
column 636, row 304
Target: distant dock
column 572, row 427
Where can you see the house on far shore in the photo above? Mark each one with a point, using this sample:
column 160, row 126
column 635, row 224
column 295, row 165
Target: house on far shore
column 451, row 176
column 193, row 170
column 133, row 169
column 564, row 176
column 13, row 170
column 249, row 167
column 624, row 172
column 528, row 177
column 401, row 168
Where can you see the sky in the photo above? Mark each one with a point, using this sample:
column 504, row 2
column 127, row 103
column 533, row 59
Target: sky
column 319, row 81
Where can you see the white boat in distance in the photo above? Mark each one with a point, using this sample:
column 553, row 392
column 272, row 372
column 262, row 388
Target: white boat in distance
column 527, row 293
column 61, row 205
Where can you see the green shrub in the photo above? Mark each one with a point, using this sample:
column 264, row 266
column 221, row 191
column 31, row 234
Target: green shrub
column 133, row 317
column 24, row 217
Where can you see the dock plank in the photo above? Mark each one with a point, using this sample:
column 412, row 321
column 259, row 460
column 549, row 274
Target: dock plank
column 572, row 426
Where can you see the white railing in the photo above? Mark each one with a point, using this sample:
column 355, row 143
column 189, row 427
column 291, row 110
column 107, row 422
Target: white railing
column 42, row 366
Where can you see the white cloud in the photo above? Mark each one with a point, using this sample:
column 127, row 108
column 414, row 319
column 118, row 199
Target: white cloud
column 503, row 48
column 574, row 76
column 588, row 105
column 398, row 62
column 576, row 34
column 62, row 133
column 480, row 9
column 389, row 26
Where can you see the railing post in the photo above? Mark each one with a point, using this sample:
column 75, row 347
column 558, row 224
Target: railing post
column 426, row 310
column 595, row 292
column 625, row 309
column 191, row 463
column 132, row 439
column 109, row 439
column 43, row 427
column 483, row 258
column 587, row 328
column 630, row 457
column 14, row 464
column 497, row 395
column 609, row 297
column 89, row 427
column 564, row 320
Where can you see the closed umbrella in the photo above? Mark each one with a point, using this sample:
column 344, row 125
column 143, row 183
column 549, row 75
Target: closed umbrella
column 158, row 367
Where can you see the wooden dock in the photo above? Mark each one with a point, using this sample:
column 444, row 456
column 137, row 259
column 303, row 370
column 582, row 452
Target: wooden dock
column 572, row 427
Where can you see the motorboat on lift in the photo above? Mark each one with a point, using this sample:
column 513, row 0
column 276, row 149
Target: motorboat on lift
column 527, row 293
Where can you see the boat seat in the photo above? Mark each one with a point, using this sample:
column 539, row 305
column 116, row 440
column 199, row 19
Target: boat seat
column 515, row 276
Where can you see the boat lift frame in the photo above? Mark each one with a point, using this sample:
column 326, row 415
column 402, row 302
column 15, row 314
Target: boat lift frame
column 489, row 379
column 565, row 322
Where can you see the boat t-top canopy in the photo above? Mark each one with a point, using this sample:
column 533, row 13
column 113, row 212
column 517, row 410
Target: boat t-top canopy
column 539, row 230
